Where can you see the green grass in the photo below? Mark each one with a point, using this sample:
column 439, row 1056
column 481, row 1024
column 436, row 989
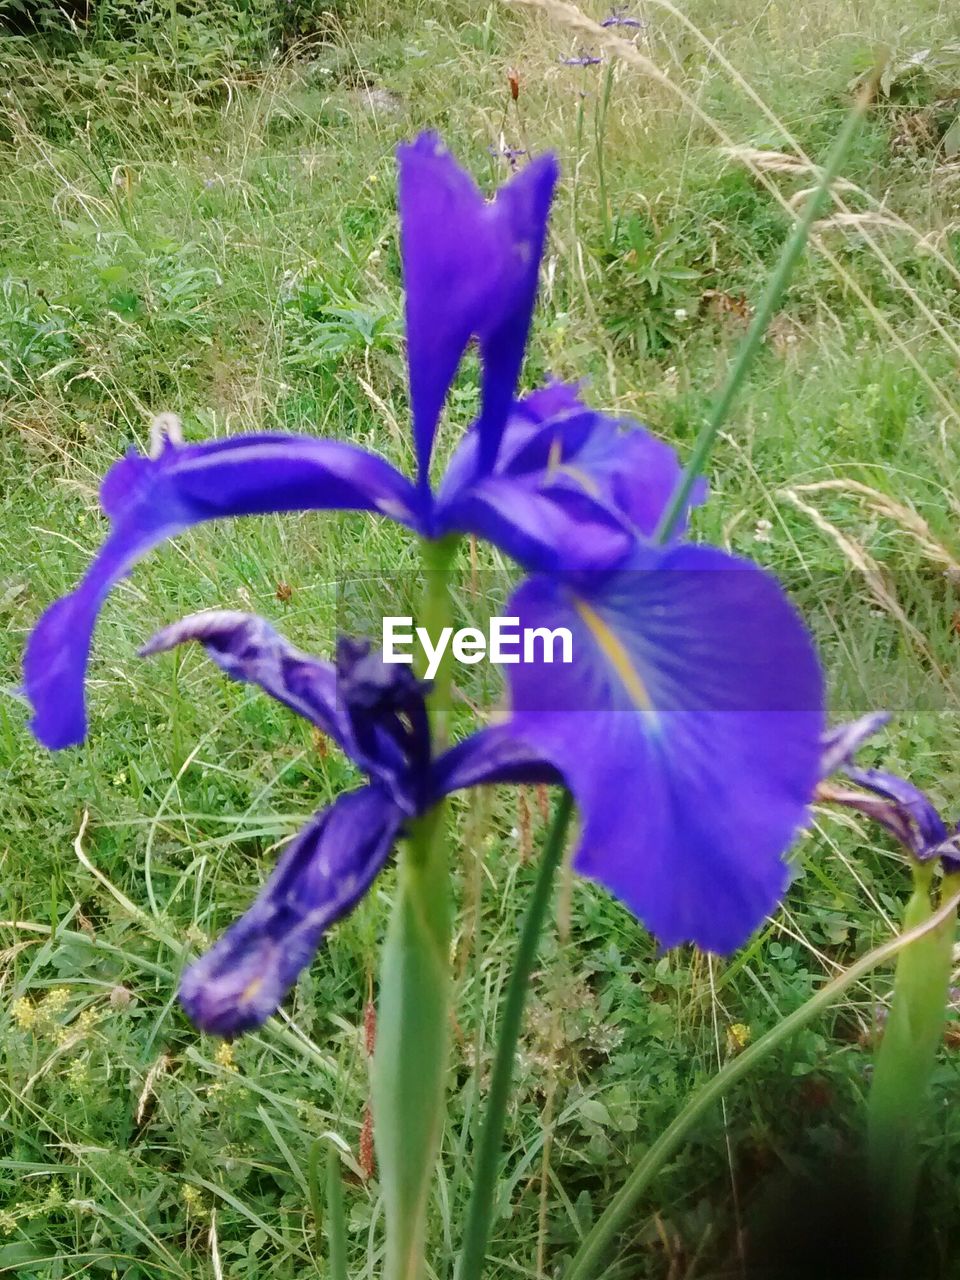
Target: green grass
column 191, row 221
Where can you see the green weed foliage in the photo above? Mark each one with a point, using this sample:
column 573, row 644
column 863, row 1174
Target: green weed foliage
column 197, row 214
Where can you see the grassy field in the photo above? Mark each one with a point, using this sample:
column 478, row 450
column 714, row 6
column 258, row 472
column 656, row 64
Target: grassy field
column 198, row 217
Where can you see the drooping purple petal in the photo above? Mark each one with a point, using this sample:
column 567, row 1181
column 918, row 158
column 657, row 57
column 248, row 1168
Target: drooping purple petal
column 321, row 875
column 687, row 727
column 470, row 270
column 373, row 710
column 249, row 650
column 151, row 499
column 492, row 755
column 911, row 816
column 841, row 743
column 907, row 815
column 893, row 802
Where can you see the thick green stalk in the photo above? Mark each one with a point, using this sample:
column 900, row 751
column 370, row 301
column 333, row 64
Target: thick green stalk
column 413, row 1024
column 766, row 307
column 600, row 1238
column 482, row 1192
column 905, row 1060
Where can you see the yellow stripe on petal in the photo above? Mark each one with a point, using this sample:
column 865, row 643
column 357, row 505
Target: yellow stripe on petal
column 619, row 659
column 251, row 990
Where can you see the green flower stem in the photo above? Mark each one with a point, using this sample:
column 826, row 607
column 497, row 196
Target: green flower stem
column 435, row 614
column 413, row 1031
column 905, row 1060
column 480, row 1209
column 336, row 1222
column 598, row 1241
column 766, row 308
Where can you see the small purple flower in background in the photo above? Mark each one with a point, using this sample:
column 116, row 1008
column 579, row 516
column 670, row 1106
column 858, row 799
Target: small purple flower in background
column 510, row 154
column 583, row 59
column 618, row 18
column 688, row 725
column 897, row 805
column 376, row 714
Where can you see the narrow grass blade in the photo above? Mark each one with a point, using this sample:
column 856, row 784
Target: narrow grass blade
column 766, row 309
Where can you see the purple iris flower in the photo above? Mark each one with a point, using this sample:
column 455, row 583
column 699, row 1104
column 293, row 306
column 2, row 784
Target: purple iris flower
column 585, row 59
column 376, row 713
column 897, row 805
column 618, row 18
column 688, row 724
column 510, row 154
column 540, row 477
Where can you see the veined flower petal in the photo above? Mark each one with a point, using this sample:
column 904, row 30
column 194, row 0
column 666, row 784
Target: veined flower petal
column 470, row 269
column 543, row 527
column 688, row 729
column 373, row 710
column 249, row 650
column 896, row 804
column 151, row 499
column 492, row 755
column 320, row 877
column 571, row 488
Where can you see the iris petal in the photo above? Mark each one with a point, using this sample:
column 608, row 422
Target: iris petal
column 249, row 650
column 687, row 727
column 151, row 499
column 373, row 710
column 542, row 527
column 320, row 877
column 914, row 820
column 841, row 743
column 493, row 755
column 470, row 269
column 570, row 488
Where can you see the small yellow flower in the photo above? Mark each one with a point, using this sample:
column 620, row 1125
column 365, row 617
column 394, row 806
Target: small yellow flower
column 192, row 1200
column 54, row 1003
column 738, row 1037
column 225, row 1057
column 24, row 1014
column 78, row 1075
column 87, row 1021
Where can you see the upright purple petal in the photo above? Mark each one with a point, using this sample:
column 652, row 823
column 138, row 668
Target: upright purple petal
column 321, row 875
column 151, row 499
column 570, row 487
column 687, row 727
column 470, row 270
